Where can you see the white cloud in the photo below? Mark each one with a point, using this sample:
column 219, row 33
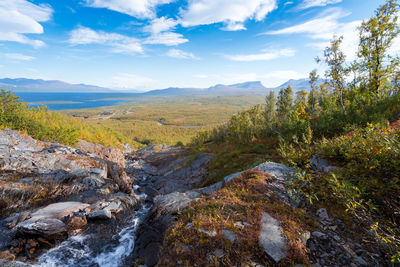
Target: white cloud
column 20, row 17
column 159, row 25
column 136, row 8
column 315, row 3
column 19, row 57
column 176, row 53
column 126, row 81
column 166, row 38
column 160, row 32
column 323, row 28
column 266, row 55
column 118, row 43
column 233, row 13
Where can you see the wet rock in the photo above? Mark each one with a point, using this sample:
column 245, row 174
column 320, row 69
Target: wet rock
column 100, row 215
column 152, row 254
column 48, row 228
column 271, row 238
column 5, row 263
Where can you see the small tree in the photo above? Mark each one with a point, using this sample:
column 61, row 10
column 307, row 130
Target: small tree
column 337, row 71
column 376, row 38
column 312, row 99
column 285, row 102
column 270, row 109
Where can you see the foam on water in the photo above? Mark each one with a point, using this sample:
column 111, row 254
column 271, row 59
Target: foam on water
column 75, row 251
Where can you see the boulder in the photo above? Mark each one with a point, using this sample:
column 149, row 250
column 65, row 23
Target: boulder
column 271, row 238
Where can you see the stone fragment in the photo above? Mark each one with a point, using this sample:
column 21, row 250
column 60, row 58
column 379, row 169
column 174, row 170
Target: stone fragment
column 229, row 235
column 271, row 238
column 100, row 215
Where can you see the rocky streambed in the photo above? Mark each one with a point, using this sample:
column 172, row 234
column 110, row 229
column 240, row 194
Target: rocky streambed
column 86, row 206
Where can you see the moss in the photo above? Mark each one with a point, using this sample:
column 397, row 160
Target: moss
column 243, row 200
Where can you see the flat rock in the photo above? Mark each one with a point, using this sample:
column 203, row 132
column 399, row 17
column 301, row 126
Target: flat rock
column 58, row 210
column 271, row 238
column 48, row 228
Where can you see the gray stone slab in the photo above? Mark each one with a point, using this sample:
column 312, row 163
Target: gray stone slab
column 271, row 238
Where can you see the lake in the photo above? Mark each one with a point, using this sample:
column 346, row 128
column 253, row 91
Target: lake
column 63, row 101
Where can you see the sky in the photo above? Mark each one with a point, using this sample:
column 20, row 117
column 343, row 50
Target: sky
column 153, row 44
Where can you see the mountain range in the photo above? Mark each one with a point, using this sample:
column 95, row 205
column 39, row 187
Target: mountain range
column 246, row 88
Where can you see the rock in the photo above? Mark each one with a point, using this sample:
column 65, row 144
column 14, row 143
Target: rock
column 210, row 189
column 7, row 255
column 58, row 210
column 210, row 233
column 304, row 237
column 241, row 225
column 107, row 153
column 229, row 235
column 127, row 148
column 100, row 215
column 5, row 263
column 114, row 206
column 320, row 164
column 360, row 261
column 231, row 177
column 120, row 177
column 322, row 214
column 47, row 228
column 77, row 222
column 152, row 254
column 271, row 238
column 175, row 202
column 319, row 235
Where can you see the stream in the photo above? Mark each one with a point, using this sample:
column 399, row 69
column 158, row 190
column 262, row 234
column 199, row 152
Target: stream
column 92, row 250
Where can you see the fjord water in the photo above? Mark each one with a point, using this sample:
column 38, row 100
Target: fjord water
column 63, row 101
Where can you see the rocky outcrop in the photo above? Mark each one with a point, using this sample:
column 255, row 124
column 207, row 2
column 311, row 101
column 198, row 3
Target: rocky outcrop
column 50, row 192
column 107, row 153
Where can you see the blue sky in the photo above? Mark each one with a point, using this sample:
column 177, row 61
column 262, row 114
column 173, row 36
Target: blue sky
column 148, row 44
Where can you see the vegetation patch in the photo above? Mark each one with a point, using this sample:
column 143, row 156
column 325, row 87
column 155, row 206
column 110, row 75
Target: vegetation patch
column 238, row 208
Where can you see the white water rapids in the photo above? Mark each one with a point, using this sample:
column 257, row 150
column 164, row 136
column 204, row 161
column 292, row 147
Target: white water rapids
column 76, row 250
